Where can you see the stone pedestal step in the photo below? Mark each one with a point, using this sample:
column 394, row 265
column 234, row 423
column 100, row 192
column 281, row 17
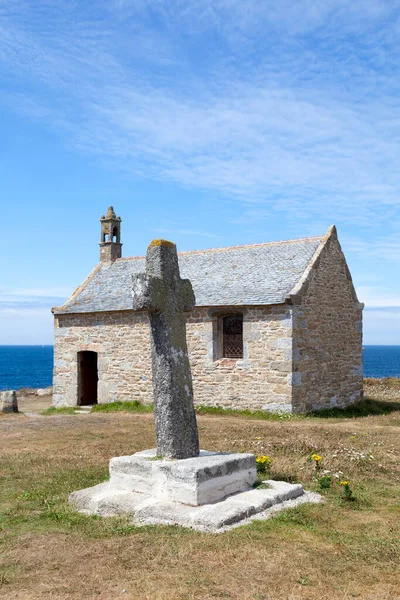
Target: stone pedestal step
column 243, row 507
column 83, row 410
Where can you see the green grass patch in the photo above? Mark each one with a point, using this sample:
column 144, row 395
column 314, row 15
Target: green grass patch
column 126, row 406
column 41, row 504
column 63, row 410
column 365, row 408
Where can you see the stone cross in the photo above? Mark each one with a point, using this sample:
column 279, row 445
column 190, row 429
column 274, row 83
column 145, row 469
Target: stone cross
column 166, row 296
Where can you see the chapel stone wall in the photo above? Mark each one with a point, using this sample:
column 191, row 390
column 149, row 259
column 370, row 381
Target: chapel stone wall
column 122, row 342
column 327, row 336
column 261, row 380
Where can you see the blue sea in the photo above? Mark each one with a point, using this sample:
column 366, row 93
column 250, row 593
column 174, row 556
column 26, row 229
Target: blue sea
column 25, row 367
column 381, row 361
column 32, row 366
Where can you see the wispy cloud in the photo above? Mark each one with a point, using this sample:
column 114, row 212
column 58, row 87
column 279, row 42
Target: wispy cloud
column 25, row 316
column 289, row 108
column 180, row 231
column 378, row 298
column 381, row 247
column 31, row 299
column 26, row 326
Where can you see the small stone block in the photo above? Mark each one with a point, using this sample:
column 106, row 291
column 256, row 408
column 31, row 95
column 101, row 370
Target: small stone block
column 204, row 479
column 8, row 402
column 131, row 473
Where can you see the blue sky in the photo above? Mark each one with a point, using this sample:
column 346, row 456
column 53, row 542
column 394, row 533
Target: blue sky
column 208, row 122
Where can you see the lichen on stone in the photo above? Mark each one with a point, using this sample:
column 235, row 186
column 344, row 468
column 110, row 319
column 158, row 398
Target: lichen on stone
column 161, row 243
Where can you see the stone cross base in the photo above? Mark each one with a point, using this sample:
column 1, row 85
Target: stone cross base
column 8, row 401
column 204, row 479
column 210, row 492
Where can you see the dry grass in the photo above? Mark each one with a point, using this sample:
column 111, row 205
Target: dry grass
column 339, row 550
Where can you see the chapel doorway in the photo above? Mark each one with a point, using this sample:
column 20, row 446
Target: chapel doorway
column 87, row 378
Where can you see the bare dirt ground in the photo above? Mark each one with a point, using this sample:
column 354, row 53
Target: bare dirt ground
column 337, row 550
column 33, row 403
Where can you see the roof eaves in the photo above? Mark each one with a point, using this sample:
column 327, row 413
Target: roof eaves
column 64, row 308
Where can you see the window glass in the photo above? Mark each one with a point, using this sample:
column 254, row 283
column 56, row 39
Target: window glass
column 232, row 332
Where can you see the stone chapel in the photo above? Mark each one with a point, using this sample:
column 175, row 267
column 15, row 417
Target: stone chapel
column 277, row 326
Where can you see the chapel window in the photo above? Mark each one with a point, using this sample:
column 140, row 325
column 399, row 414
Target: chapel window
column 232, row 336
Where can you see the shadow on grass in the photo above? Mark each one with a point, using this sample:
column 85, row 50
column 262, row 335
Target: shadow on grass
column 365, row 408
column 288, row 477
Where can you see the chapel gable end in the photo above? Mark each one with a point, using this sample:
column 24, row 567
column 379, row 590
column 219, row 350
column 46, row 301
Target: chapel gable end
column 327, row 333
column 328, row 277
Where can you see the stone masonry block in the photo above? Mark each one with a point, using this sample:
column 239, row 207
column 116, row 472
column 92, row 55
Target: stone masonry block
column 294, row 379
column 131, row 473
column 8, row 401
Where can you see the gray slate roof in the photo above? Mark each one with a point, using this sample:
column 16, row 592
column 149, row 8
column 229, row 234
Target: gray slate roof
column 259, row 274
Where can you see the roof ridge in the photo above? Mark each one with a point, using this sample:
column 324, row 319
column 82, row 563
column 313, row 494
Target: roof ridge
column 295, row 241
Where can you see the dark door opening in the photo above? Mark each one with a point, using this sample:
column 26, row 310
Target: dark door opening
column 87, row 378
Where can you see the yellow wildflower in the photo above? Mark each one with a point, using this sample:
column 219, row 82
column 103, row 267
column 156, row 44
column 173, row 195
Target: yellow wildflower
column 262, row 460
column 316, row 457
column 344, row 483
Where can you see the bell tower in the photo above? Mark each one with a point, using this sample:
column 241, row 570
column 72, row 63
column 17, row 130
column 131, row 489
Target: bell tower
column 110, row 243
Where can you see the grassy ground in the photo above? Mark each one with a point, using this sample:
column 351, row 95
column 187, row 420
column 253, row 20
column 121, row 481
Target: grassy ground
column 338, row 550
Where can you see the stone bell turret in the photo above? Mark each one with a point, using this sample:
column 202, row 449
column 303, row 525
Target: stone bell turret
column 110, row 243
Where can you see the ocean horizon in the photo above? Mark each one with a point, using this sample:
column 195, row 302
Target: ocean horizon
column 32, row 366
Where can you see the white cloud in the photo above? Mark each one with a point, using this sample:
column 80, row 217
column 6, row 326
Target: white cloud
column 180, row 231
column 386, row 247
column 33, row 298
column 376, row 297
column 25, row 326
column 381, row 326
column 286, row 16
column 53, row 292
